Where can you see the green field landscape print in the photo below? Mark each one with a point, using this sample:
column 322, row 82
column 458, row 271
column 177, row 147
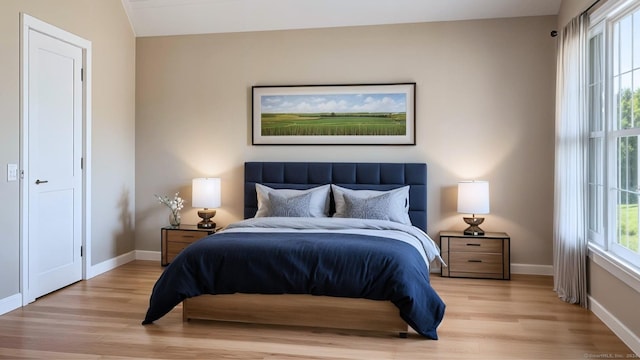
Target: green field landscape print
column 352, row 114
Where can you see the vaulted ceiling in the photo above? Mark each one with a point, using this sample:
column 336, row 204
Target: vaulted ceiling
column 179, row 17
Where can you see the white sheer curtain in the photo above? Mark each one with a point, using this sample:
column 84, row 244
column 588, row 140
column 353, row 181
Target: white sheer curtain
column 570, row 199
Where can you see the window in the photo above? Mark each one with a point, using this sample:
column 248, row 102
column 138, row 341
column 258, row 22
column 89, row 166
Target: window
column 613, row 81
column 595, row 186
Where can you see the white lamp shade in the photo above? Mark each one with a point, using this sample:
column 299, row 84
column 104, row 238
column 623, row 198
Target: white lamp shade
column 473, row 197
column 206, row 193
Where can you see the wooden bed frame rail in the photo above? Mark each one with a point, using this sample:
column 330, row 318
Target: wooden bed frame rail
column 298, row 310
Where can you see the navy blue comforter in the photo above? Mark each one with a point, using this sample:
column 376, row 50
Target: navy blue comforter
column 344, row 265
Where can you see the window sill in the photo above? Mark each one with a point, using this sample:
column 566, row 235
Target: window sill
column 621, row 270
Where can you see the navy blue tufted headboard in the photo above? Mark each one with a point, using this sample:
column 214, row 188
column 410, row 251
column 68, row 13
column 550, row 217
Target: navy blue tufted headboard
column 372, row 176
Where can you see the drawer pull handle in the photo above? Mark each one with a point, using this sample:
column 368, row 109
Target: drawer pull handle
column 475, row 261
column 471, row 244
column 188, row 236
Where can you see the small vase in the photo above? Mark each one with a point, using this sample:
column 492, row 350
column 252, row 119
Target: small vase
column 174, row 218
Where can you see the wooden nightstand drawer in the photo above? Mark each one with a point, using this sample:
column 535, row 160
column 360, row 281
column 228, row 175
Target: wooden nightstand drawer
column 476, row 263
column 185, row 236
column 174, row 248
column 176, row 238
column 475, row 245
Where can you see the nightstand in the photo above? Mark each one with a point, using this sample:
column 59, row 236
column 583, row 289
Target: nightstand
column 485, row 256
column 176, row 238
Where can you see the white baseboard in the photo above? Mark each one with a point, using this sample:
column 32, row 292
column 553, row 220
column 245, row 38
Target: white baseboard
column 148, row 255
column 121, row 260
column 10, row 303
column 529, row 269
column 618, row 328
column 113, row 263
column 110, row 264
column 524, row 269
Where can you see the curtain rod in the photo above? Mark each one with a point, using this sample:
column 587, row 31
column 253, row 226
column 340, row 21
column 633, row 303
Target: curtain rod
column 591, row 6
column 554, row 33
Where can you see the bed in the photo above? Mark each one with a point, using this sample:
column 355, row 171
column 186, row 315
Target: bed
column 305, row 255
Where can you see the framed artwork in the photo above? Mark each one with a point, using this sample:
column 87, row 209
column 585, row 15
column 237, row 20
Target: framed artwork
column 372, row 114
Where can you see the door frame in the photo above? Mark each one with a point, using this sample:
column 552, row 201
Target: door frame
column 28, row 23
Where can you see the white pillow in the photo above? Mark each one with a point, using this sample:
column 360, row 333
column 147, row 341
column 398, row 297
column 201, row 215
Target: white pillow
column 318, row 207
column 398, row 200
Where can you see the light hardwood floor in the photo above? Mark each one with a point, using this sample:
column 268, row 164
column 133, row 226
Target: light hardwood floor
column 485, row 319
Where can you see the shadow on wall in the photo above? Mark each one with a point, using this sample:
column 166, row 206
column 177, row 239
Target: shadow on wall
column 124, row 239
column 448, row 201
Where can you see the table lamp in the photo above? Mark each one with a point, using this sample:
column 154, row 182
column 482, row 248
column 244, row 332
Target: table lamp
column 473, row 198
column 206, row 195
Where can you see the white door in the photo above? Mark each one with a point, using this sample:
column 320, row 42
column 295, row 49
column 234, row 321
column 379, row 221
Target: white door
column 54, row 173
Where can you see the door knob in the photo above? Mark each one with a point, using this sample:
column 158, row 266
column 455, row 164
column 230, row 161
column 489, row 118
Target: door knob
column 38, row 182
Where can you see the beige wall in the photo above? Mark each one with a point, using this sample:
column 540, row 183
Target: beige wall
column 485, row 110
column 570, row 9
column 105, row 24
column 613, row 294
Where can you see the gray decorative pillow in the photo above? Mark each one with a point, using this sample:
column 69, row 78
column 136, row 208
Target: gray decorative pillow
column 290, row 206
column 397, row 210
column 319, row 206
column 375, row 207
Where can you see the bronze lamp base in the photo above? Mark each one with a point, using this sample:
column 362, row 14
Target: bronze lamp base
column 206, row 216
column 473, row 228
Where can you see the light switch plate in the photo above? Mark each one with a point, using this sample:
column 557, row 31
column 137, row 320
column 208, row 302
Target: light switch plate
column 12, row 172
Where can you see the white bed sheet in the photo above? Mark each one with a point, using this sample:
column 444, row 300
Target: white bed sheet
column 382, row 228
